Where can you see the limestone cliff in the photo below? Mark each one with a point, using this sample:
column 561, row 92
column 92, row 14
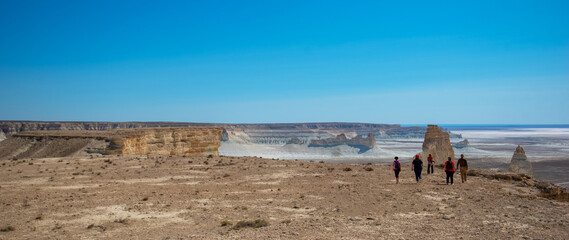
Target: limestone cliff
column 165, row 141
column 170, row 141
column 360, row 142
column 520, row 162
column 438, row 144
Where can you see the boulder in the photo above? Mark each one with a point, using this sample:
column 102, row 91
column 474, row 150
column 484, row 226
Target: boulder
column 520, row 162
column 437, row 143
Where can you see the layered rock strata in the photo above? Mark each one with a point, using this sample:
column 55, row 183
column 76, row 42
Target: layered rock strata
column 278, row 133
column 165, row 141
column 437, row 143
column 520, row 162
column 360, row 142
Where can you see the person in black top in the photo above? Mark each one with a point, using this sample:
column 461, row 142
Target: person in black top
column 417, row 167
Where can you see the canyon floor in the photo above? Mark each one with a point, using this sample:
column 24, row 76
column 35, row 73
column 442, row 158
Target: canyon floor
column 175, row 197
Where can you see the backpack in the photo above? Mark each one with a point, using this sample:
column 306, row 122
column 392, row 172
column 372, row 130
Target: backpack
column 448, row 165
column 397, row 165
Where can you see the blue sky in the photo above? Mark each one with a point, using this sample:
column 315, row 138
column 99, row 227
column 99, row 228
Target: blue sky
column 407, row 62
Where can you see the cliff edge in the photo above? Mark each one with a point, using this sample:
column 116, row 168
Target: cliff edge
column 164, row 141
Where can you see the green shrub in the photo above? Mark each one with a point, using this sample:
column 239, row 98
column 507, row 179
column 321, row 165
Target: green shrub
column 252, row 224
column 7, row 229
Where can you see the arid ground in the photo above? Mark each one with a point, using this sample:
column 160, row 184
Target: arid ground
column 175, row 197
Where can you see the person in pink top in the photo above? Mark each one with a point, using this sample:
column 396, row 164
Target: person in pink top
column 396, row 169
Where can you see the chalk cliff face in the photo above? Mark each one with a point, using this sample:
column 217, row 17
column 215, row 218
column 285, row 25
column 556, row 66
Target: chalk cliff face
column 360, row 142
column 165, row 141
column 438, row 144
column 171, row 141
column 520, row 162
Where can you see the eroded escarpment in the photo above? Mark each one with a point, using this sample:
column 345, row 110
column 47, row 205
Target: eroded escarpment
column 165, row 141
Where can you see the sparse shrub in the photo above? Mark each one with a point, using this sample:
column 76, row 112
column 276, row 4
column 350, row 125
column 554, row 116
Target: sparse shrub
column 286, row 221
column 210, row 156
column 145, row 199
column 7, row 229
column 321, row 161
column 121, row 220
column 102, row 228
column 368, row 169
column 252, row 224
column 242, row 208
column 347, row 169
column 225, row 223
column 226, row 175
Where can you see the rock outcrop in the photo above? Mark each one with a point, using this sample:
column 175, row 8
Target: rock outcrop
column 462, row 144
column 438, row 144
column 520, row 162
column 2, row 136
column 364, row 144
column 164, row 141
column 547, row 189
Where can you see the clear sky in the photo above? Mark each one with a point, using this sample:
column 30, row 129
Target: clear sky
column 408, row 62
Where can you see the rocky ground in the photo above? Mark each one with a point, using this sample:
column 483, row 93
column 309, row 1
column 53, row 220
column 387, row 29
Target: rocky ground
column 161, row 197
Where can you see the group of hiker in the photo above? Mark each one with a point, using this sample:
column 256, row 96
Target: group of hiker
column 449, row 167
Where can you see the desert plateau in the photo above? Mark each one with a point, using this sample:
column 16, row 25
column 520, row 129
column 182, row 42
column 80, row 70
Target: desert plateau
column 213, row 197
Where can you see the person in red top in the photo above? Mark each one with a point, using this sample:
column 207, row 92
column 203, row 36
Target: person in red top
column 430, row 164
column 449, row 169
